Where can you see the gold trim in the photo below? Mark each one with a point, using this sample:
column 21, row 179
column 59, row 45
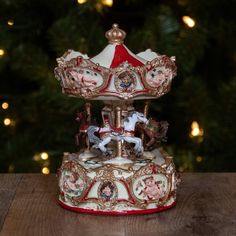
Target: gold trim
column 115, row 174
column 107, row 73
column 115, row 193
column 147, row 170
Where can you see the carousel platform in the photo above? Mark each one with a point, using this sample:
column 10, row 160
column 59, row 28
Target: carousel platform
column 141, row 186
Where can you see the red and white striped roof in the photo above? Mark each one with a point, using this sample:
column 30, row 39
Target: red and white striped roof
column 115, row 54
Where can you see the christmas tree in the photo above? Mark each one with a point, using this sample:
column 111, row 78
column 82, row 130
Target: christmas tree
column 38, row 122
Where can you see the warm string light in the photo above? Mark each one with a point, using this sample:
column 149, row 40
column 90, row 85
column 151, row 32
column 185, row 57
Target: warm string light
column 5, row 105
column 81, row 1
column 199, row 159
column 45, row 170
column 36, row 157
column 2, row 52
column 108, row 3
column 41, row 156
column 46, row 162
column 188, row 21
column 7, row 121
column 44, row 155
column 10, row 22
column 196, row 131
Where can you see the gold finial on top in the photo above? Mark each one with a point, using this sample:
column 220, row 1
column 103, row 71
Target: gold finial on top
column 115, row 35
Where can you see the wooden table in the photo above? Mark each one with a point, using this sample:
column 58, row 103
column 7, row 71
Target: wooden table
column 206, row 206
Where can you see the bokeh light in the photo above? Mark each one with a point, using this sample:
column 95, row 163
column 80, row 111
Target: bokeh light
column 5, row 105
column 10, row 22
column 7, row 121
column 196, row 130
column 44, row 155
column 81, row 1
column 199, row 159
column 2, row 52
column 108, row 3
column 45, row 170
column 188, row 21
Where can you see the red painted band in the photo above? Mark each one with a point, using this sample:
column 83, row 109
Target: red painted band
column 130, row 212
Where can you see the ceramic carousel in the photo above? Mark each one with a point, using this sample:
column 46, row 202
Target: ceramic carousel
column 120, row 168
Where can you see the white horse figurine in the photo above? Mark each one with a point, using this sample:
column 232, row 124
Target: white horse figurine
column 126, row 133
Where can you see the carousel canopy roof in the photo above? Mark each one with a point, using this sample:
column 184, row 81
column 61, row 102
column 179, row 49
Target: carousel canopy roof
column 116, row 73
column 113, row 55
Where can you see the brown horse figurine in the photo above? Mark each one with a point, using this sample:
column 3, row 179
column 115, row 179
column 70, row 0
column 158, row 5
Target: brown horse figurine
column 155, row 131
column 85, row 121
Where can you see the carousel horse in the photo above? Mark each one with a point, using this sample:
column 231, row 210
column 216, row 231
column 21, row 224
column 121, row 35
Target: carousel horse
column 85, row 121
column 155, row 131
column 108, row 133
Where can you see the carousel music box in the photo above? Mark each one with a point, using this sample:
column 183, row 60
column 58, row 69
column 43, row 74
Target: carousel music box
column 120, row 168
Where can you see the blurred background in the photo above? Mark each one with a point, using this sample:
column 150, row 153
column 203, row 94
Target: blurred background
column 37, row 122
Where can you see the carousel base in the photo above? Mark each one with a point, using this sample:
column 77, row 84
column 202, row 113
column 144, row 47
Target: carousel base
column 130, row 212
column 140, row 186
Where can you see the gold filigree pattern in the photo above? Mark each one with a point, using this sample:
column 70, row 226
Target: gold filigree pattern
column 126, row 77
column 108, row 176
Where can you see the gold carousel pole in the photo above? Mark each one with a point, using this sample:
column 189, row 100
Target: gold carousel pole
column 88, row 112
column 145, row 112
column 146, row 107
column 118, row 125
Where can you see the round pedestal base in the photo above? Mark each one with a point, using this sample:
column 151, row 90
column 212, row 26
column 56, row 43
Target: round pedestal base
column 137, row 187
column 129, row 212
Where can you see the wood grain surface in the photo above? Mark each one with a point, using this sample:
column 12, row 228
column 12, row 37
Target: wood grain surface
column 206, row 205
column 8, row 184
